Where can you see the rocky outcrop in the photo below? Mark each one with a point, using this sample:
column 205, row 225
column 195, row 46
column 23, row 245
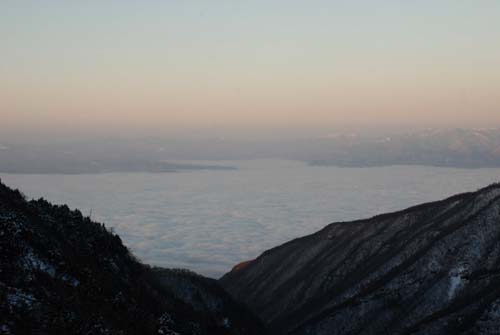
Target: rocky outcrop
column 430, row 269
column 61, row 273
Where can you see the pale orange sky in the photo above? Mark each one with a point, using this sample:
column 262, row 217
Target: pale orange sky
column 160, row 66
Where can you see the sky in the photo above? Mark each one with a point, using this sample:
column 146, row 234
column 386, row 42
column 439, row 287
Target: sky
column 170, row 66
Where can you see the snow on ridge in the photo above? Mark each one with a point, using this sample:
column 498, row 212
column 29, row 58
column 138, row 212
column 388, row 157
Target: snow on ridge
column 456, row 281
column 20, row 298
column 33, row 262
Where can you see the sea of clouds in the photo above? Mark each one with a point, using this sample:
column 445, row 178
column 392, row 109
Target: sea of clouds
column 209, row 220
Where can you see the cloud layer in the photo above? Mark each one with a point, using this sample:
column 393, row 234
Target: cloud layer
column 208, row 221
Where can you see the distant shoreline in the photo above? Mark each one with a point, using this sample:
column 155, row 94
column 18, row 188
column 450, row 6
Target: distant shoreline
column 156, row 167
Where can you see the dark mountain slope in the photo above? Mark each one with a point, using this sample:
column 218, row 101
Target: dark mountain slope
column 61, row 273
column 430, row 269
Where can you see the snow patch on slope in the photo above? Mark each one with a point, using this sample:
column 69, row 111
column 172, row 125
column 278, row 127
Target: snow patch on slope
column 33, row 262
column 456, row 281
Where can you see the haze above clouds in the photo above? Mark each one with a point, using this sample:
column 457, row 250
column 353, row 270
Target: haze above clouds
column 188, row 66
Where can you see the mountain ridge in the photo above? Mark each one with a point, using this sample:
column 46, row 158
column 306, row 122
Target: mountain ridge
column 432, row 268
column 62, row 273
column 317, row 283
